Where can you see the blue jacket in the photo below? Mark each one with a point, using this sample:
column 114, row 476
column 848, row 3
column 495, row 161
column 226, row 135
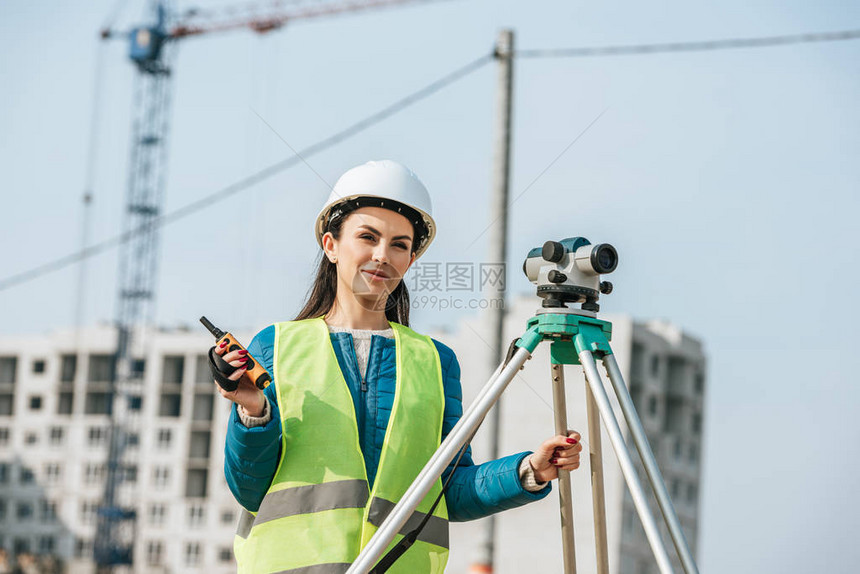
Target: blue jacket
column 251, row 455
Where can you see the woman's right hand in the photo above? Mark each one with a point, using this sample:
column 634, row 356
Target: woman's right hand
column 246, row 395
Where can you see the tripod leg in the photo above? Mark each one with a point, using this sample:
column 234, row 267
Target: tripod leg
column 565, row 497
column 598, row 497
column 650, row 463
column 467, row 412
column 617, row 439
column 419, row 488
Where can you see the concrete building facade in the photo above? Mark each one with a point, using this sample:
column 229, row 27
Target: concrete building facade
column 53, row 449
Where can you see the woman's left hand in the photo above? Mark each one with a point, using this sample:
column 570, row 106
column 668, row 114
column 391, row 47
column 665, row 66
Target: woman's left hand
column 558, row 452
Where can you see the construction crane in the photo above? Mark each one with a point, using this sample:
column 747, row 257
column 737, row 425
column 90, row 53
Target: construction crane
column 151, row 49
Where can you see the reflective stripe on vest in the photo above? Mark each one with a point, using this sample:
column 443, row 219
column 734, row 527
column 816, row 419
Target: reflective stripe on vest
column 319, row 511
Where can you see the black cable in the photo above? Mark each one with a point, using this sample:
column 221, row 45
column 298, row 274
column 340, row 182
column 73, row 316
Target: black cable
column 726, row 44
column 409, row 539
column 115, row 12
column 248, row 181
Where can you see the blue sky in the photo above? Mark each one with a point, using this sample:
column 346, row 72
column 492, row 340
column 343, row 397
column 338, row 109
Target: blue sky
column 727, row 181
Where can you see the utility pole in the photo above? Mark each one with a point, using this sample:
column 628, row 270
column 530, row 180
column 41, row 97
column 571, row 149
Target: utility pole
column 497, row 255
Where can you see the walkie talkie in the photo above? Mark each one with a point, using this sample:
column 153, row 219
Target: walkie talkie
column 256, row 372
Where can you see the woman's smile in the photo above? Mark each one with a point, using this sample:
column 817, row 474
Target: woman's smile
column 375, row 274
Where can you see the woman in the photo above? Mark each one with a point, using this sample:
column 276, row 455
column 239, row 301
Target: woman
column 360, row 402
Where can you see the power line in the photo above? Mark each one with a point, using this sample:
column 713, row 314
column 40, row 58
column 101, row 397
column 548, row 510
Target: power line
column 250, row 180
column 703, row 46
column 182, row 212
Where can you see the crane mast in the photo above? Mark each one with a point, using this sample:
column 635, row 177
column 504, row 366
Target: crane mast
column 138, row 271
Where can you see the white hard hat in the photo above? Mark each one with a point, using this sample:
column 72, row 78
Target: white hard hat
column 383, row 183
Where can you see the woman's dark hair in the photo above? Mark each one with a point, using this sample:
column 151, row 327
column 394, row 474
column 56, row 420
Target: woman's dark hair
column 321, row 295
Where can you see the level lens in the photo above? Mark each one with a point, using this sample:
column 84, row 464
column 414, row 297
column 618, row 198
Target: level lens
column 604, row 258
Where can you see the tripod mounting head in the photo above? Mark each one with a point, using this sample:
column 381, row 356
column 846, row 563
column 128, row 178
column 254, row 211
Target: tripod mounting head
column 568, row 271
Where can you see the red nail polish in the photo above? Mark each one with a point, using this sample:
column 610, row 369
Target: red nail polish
column 571, row 441
column 223, row 344
column 243, row 352
column 243, row 359
column 553, row 460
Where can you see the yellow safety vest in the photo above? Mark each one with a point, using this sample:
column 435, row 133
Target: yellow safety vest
column 319, row 511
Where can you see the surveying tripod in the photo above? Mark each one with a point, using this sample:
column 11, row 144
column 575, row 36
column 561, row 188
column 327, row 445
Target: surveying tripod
column 565, row 272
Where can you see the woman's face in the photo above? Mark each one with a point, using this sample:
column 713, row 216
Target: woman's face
column 373, row 253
